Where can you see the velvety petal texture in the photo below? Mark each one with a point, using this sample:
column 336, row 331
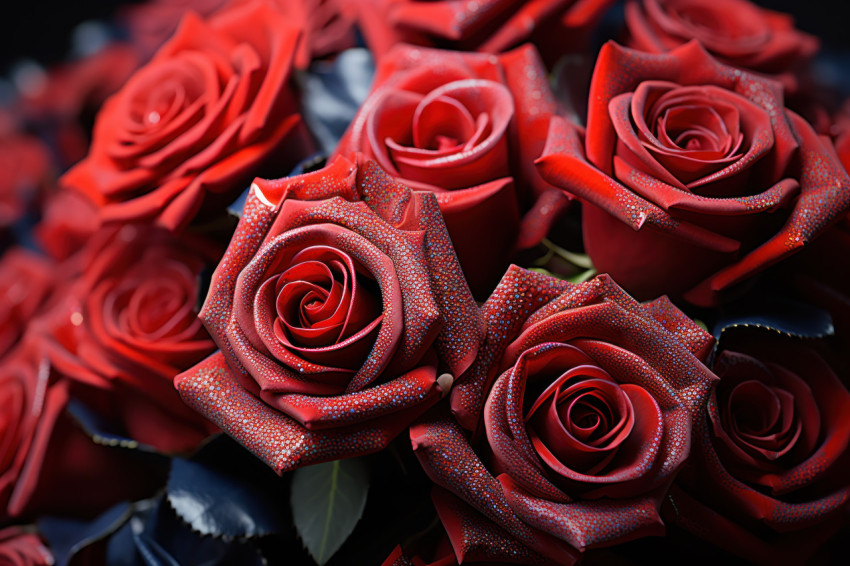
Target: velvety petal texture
column 127, row 324
column 338, row 305
column 695, row 177
column 736, row 32
column 468, row 127
column 195, row 124
column 768, row 479
column 489, row 26
column 587, row 399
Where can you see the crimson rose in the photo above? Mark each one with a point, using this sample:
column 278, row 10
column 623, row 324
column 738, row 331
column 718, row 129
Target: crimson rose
column 468, row 127
column 337, row 305
column 47, row 463
column 588, row 398
column 771, row 454
column 736, row 32
column 127, row 324
column 191, row 127
column 695, row 177
column 26, row 280
column 486, row 26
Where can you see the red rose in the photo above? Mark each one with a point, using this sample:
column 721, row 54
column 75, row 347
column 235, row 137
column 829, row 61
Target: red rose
column 736, row 32
column 21, row 547
column 468, row 127
column 588, row 398
column 486, row 26
column 127, row 325
column 191, row 128
column 771, row 454
column 68, row 220
column 696, row 178
column 336, row 307
column 26, row 280
column 25, row 163
column 47, row 464
column 326, row 25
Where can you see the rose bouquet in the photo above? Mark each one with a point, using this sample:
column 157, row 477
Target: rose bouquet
column 426, row 283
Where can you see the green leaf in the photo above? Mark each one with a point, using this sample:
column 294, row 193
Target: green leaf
column 583, row 276
column 327, row 501
column 579, row 260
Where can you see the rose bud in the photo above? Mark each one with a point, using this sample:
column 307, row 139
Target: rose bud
column 338, row 307
column 20, row 546
column 695, row 176
column 771, row 454
column 736, row 32
column 468, row 127
column 48, row 465
column 128, row 324
column 490, row 27
column 588, row 399
column 190, row 129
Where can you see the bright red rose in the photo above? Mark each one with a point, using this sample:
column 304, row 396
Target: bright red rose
column 127, row 325
column 26, row 279
column 192, row 127
column 736, row 32
column 22, row 547
column 481, row 25
column 468, row 127
column 771, row 455
column 588, row 398
column 47, row 464
column 337, row 306
column 695, row 176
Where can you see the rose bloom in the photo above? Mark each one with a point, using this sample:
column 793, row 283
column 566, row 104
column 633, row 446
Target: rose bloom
column 127, row 325
column 736, row 32
column 22, row 547
column 468, row 127
column 194, row 125
column 25, row 163
column 327, row 27
column 771, row 454
column 337, row 307
column 695, row 176
column 68, row 221
column 555, row 26
column 588, row 399
column 48, row 465
column 26, row 280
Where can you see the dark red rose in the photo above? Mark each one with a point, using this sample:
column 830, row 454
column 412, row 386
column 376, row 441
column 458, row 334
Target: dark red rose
column 337, row 306
column 588, row 398
column 22, row 547
column 128, row 324
column 47, row 463
column 192, row 127
column 736, row 32
column 771, row 455
column 26, row 279
column 468, row 127
column 485, row 26
column 695, row 176
column 25, row 163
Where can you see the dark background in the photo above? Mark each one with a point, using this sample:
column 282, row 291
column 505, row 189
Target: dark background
column 41, row 29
